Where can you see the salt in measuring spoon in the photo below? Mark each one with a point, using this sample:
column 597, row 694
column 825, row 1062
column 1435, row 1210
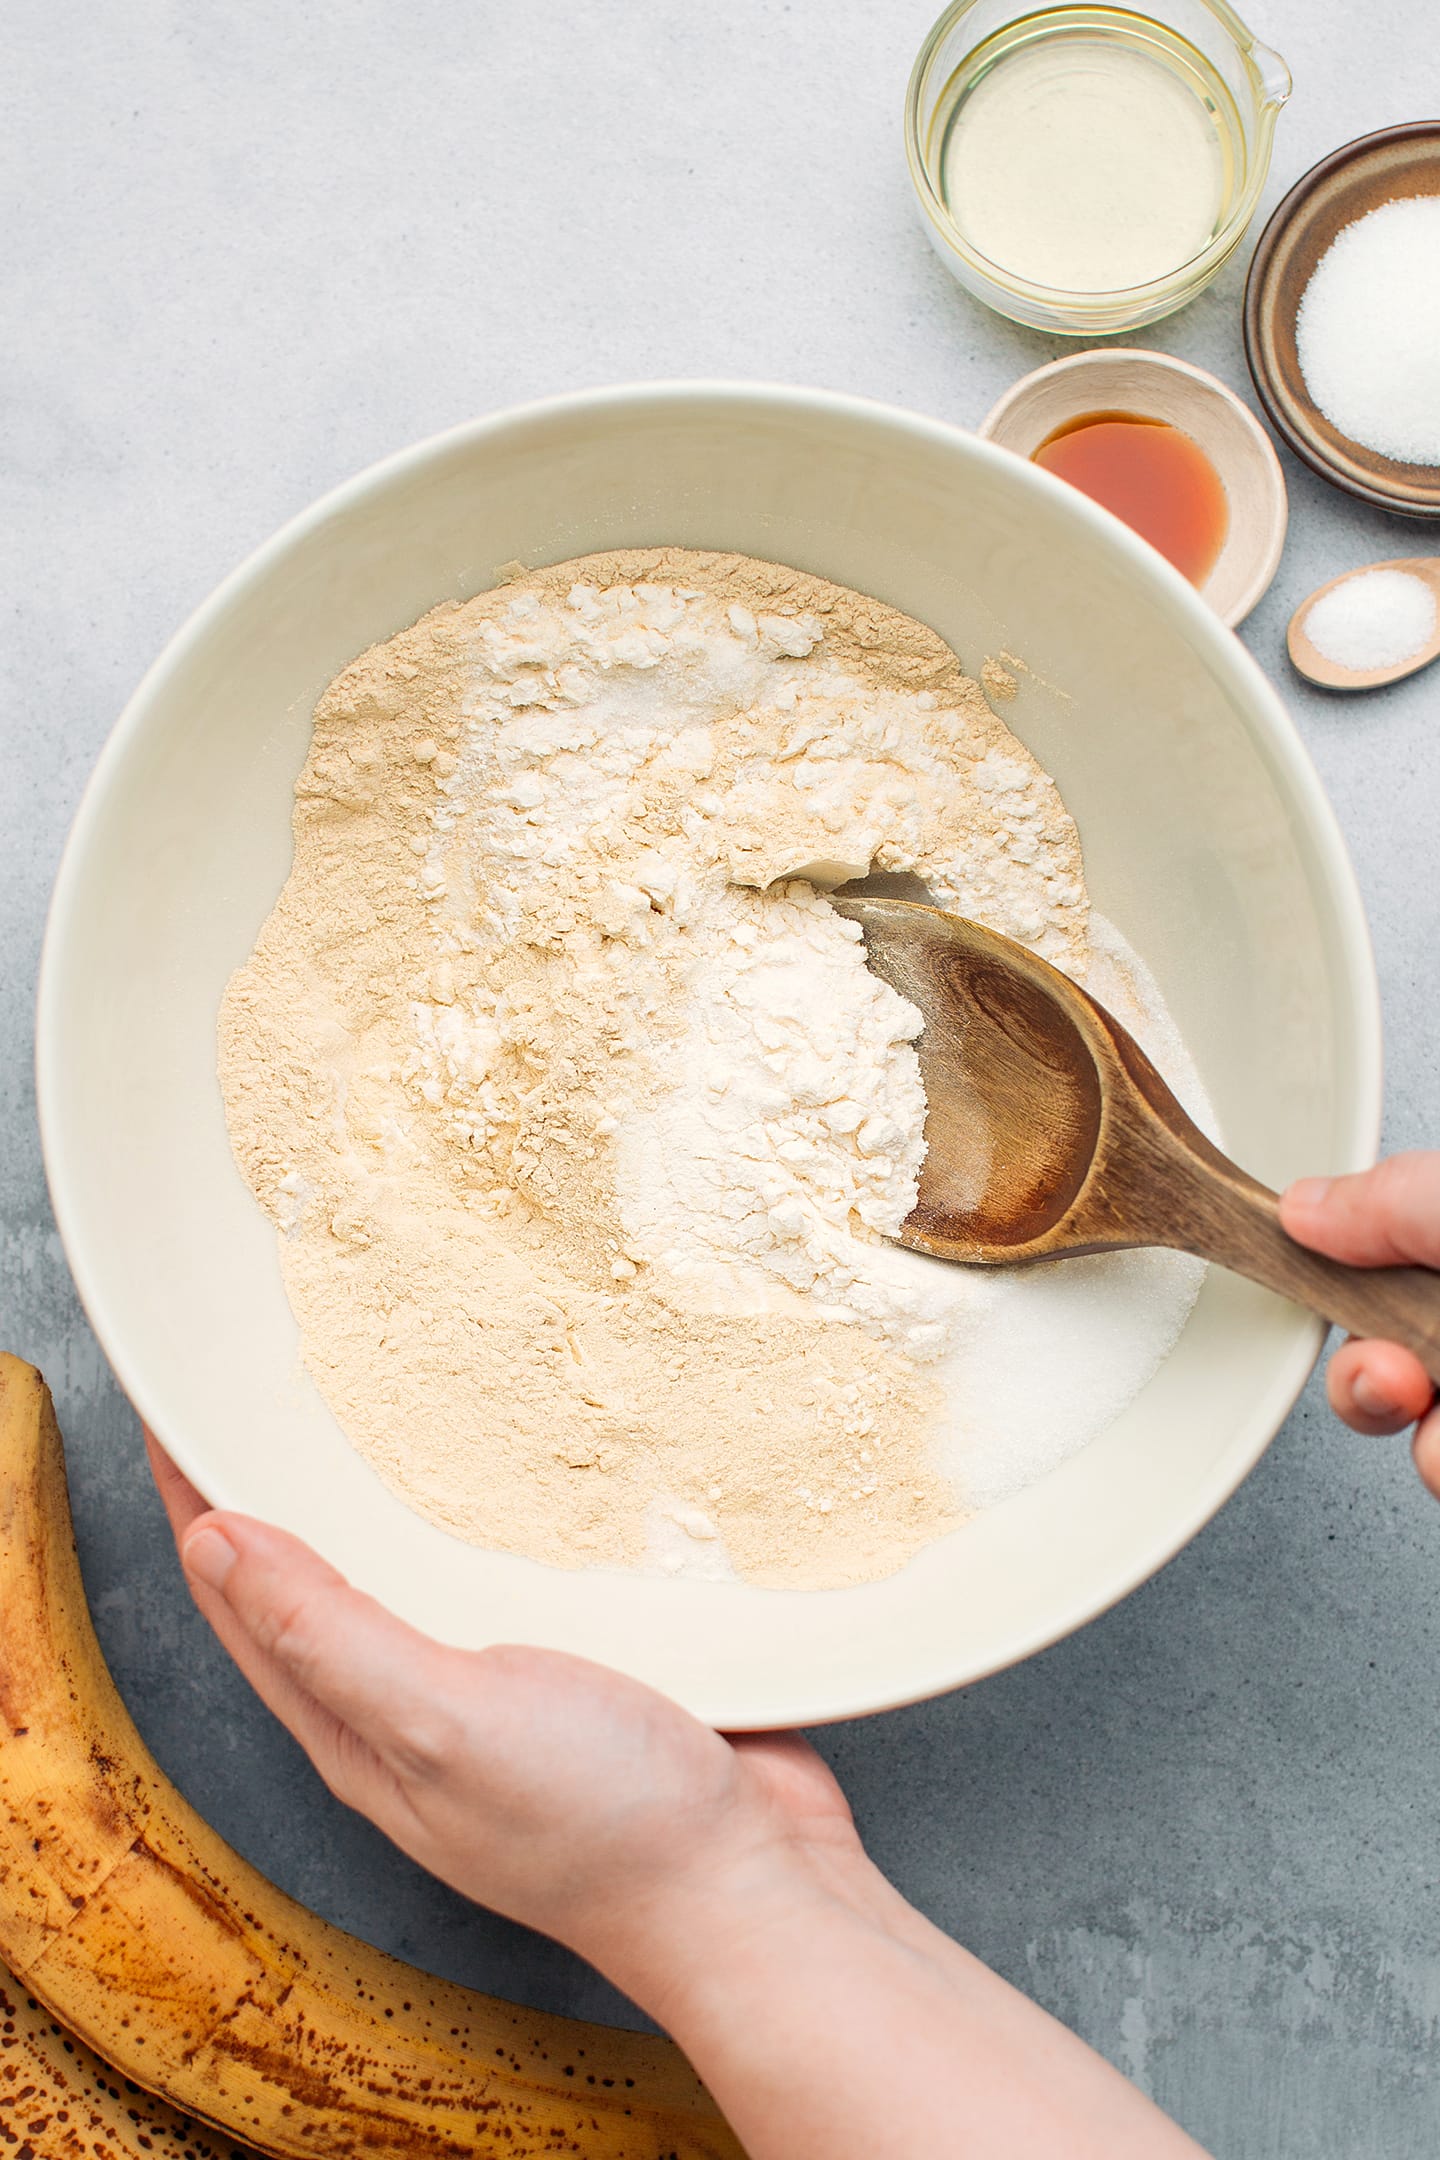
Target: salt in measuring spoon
column 1332, row 674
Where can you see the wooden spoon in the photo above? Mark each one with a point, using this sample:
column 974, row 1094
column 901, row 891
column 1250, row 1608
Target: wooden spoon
column 1310, row 662
column 1049, row 1133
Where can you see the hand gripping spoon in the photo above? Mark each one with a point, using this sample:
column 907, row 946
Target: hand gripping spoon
column 1049, row 1133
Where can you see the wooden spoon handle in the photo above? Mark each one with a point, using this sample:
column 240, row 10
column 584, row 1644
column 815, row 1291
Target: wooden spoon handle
column 1239, row 1226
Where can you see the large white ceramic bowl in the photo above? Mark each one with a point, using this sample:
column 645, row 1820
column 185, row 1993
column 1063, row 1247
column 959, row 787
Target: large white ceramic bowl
column 1207, row 838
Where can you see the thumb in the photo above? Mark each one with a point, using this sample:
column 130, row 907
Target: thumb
column 328, row 1660
column 1385, row 1217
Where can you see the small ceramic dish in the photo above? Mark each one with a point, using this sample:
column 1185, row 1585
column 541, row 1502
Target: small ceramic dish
column 1156, row 387
column 1354, row 180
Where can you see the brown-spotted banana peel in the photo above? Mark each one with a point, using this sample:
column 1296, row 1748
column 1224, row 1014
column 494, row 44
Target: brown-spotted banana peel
column 177, row 1963
column 58, row 2101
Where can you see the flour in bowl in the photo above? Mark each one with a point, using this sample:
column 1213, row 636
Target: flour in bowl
column 584, row 1123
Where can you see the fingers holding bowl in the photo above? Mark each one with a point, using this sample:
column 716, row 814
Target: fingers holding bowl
column 207, row 1545
column 181, row 1501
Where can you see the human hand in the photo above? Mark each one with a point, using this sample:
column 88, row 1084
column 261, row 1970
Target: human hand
column 1385, row 1217
column 553, row 1790
column 720, row 1882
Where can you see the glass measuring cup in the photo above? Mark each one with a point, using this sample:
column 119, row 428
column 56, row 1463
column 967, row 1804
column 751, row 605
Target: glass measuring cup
column 1241, row 83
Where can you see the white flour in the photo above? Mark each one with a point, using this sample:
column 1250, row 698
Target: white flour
column 739, row 1186
column 793, row 1124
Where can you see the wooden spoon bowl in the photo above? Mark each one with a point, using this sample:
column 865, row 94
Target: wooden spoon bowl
column 1049, row 1133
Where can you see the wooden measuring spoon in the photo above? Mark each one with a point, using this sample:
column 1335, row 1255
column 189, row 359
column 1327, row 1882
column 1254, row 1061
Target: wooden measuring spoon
column 1310, row 662
column 1049, row 1133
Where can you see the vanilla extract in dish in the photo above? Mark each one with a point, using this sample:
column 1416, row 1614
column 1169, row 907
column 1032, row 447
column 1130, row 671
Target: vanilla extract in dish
column 1152, row 475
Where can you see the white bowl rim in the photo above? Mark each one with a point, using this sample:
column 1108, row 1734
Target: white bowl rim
column 1275, row 735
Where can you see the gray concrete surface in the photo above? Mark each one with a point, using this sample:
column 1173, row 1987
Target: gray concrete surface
column 250, row 250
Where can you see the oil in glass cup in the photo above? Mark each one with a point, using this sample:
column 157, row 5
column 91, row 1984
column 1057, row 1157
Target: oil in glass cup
column 1089, row 169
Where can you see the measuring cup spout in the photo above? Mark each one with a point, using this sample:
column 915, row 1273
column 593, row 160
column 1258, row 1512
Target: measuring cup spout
column 1276, row 81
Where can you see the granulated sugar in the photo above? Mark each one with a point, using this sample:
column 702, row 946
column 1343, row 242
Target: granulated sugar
column 1376, row 619
column 1368, row 331
column 1044, row 1358
column 585, row 1124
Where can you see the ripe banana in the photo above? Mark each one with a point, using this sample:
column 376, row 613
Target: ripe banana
column 58, row 2101
column 171, row 1957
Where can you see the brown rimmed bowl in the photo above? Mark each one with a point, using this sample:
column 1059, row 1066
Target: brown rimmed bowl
column 1357, row 178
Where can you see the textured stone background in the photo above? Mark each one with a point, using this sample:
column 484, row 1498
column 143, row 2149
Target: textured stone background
column 252, row 249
